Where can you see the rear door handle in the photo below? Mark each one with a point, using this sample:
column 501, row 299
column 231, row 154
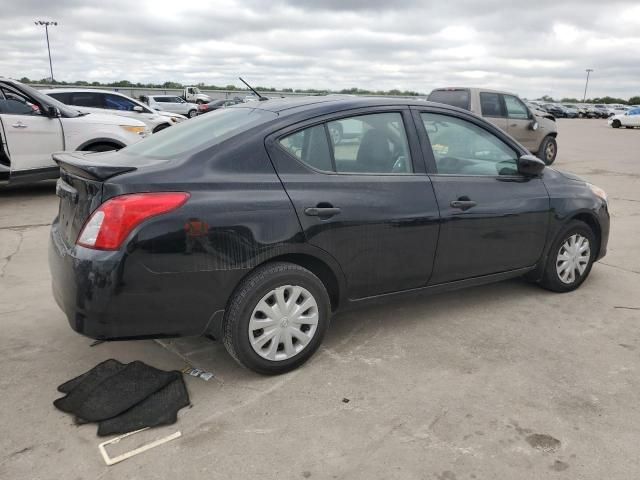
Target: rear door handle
column 463, row 204
column 325, row 212
column 19, row 125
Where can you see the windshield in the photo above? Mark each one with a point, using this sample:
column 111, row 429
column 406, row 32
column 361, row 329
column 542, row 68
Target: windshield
column 454, row 97
column 202, row 132
column 43, row 99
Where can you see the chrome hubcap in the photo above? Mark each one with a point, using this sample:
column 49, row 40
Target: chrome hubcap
column 283, row 323
column 550, row 151
column 573, row 258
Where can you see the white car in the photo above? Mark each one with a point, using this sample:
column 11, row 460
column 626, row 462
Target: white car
column 103, row 101
column 33, row 126
column 629, row 119
column 172, row 103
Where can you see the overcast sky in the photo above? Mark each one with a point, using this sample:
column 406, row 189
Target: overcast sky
column 532, row 47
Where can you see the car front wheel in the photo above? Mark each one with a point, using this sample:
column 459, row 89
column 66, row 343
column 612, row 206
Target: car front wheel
column 548, row 150
column 277, row 318
column 570, row 258
column 616, row 123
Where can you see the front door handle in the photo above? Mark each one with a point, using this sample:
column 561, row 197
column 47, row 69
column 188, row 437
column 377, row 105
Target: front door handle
column 19, row 125
column 463, row 203
column 322, row 212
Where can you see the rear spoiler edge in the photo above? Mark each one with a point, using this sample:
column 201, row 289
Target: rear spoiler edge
column 77, row 164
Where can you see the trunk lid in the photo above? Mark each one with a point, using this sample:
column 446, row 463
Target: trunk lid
column 80, row 188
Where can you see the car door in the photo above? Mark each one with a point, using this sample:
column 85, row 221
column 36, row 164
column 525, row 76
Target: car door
column 364, row 200
column 493, row 218
column 30, row 137
column 519, row 120
column 492, row 109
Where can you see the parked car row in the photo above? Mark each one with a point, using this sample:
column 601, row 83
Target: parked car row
column 580, row 110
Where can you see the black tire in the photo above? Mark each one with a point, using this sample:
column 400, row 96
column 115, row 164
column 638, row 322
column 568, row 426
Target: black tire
column 161, row 127
column 245, row 299
column 101, row 147
column 616, row 123
column 192, row 113
column 551, row 279
column 548, row 150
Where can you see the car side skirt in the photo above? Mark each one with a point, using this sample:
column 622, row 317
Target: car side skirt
column 443, row 287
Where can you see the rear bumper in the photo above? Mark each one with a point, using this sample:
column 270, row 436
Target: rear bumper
column 111, row 295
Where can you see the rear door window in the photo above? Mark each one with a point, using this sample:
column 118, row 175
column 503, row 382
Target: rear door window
column 491, row 105
column 310, row 146
column 375, row 143
column 456, row 97
column 86, row 99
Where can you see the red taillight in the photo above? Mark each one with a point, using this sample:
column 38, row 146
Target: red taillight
column 114, row 220
column 203, row 107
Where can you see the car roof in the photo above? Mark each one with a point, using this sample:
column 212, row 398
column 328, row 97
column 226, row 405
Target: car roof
column 278, row 105
column 473, row 89
column 327, row 104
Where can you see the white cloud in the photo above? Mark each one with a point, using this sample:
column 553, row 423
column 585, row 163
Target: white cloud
column 531, row 48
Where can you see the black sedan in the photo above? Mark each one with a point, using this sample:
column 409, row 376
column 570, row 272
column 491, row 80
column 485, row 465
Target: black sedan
column 249, row 224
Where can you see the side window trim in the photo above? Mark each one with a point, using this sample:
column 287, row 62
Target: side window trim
column 429, row 157
column 332, row 154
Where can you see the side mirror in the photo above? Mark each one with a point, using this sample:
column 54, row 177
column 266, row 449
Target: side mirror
column 138, row 109
column 530, row 165
column 53, row 112
column 533, row 125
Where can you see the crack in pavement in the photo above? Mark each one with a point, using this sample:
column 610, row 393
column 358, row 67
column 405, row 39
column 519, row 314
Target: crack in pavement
column 620, row 268
column 18, row 228
column 8, row 258
column 626, row 199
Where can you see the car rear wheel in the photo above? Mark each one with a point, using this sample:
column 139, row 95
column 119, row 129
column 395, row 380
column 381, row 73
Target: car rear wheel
column 570, row 258
column 192, row 113
column 548, row 150
column 277, row 318
column 616, row 123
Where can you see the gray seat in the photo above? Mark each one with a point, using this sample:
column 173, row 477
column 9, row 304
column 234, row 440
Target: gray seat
column 374, row 153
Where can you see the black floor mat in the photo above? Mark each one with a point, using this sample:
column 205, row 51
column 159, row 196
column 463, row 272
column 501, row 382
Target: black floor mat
column 124, row 397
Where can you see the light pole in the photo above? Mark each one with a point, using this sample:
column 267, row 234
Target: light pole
column 588, row 70
column 46, row 29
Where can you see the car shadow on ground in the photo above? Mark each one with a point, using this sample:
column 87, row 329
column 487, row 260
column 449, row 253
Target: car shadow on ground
column 350, row 329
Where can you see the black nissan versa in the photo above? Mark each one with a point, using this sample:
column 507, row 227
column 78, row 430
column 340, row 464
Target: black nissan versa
column 254, row 224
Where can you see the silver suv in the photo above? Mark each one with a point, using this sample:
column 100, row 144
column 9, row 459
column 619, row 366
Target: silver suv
column 535, row 130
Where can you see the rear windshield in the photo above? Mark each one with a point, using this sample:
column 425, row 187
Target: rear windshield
column 455, row 97
column 199, row 133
